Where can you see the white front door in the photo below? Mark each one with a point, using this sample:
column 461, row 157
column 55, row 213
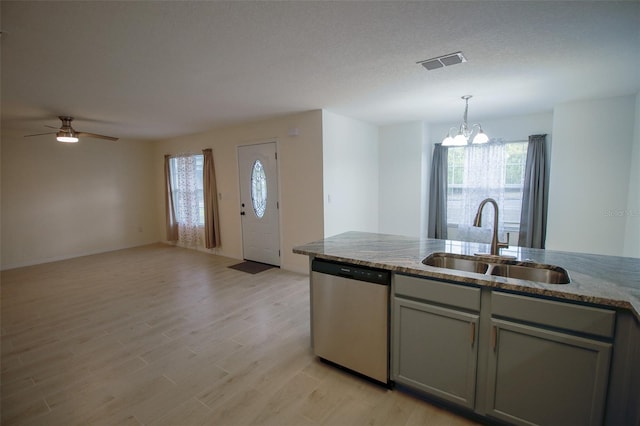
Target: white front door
column 260, row 219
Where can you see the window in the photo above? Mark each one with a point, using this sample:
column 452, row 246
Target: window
column 476, row 172
column 516, row 159
column 187, row 189
column 455, row 184
column 258, row 189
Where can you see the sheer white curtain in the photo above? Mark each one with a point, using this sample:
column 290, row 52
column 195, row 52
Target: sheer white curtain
column 484, row 177
column 187, row 193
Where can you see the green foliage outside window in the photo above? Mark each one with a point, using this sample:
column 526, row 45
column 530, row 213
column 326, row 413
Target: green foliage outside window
column 516, row 159
column 455, row 166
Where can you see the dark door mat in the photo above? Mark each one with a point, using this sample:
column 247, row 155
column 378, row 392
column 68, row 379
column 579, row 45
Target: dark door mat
column 251, row 267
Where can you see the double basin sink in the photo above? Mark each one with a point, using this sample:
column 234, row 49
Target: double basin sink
column 499, row 266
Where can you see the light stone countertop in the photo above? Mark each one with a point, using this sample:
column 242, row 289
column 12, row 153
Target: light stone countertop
column 603, row 280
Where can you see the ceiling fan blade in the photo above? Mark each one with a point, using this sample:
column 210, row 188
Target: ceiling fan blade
column 40, row 134
column 51, row 127
column 94, row 135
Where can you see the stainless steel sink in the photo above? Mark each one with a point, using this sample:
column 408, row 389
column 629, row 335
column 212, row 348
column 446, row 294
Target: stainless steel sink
column 457, row 262
column 498, row 266
column 541, row 273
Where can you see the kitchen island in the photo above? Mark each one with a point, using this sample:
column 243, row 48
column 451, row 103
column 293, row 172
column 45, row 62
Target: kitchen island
column 593, row 318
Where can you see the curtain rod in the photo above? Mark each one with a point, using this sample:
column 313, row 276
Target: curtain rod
column 500, row 140
column 491, row 141
column 185, row 154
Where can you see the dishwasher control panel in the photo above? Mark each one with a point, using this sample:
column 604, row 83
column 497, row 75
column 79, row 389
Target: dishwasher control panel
column 360, row 273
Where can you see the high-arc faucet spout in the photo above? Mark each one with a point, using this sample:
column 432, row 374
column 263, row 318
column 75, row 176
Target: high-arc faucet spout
column 496, row 244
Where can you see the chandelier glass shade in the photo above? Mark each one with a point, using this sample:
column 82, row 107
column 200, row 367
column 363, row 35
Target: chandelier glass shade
column 459, row 136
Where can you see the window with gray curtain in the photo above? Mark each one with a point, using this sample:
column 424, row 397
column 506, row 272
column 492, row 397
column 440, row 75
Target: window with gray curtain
column 533, row 219
column 459, row 178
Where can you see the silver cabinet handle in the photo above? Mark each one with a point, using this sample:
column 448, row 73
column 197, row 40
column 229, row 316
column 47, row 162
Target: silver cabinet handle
column 473, row 333
column 494, row 337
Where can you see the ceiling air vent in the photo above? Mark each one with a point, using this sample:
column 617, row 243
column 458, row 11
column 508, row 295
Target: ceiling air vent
column 443, row 61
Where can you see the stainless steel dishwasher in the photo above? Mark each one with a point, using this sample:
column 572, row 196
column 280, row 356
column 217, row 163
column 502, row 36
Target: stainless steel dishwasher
column 350, row 317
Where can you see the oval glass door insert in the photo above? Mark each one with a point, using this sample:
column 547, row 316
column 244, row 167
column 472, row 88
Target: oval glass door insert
column 258, row 189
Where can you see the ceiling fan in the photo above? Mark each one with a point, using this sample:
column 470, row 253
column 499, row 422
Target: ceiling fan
column 68, row 134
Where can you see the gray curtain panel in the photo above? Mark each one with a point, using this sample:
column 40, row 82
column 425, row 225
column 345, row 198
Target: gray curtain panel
column 533, row 218
column 437, row 226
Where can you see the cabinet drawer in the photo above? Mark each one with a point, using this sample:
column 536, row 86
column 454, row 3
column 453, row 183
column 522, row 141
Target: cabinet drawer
column 439, row 292
column 583, row 319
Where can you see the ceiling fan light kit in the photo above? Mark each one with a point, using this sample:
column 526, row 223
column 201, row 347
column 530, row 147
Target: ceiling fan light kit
column 465, row 131
column 68, row 137
column 68, row 134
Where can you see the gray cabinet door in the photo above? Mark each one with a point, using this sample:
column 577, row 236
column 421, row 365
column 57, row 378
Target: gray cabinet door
column 435, row 350
column 543, row 377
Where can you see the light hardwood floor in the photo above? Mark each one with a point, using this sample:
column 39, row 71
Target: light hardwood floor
column 168, row 336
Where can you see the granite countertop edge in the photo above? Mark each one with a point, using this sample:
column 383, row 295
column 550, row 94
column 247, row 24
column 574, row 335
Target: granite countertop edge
column 608, row 281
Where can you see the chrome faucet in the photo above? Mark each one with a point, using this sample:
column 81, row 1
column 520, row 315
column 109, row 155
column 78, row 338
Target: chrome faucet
column 496, row 244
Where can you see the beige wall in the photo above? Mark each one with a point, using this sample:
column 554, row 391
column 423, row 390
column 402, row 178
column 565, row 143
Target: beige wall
column 67, row 200
column 300, row 176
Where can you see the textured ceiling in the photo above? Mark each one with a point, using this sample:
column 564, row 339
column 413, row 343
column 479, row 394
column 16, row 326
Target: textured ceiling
column 160, row 69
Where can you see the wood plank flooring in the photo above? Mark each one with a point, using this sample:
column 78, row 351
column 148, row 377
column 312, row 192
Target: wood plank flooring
column 159, row 335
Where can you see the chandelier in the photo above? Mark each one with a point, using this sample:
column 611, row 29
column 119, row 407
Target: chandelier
column 465, row 131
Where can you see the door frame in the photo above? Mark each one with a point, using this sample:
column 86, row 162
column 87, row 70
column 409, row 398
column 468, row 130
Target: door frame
column 253, row 143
